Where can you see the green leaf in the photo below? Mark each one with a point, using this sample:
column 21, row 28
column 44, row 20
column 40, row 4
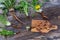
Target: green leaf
column 9, row 3
column 3, row 19
column 26, row 9
column 6, row 33
column 20, row 6
column 34, row 2
column 22, row 3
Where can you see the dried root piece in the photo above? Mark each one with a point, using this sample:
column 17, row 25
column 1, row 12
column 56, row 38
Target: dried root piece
column 12, row 12
column 42, row 26
column 43, row 16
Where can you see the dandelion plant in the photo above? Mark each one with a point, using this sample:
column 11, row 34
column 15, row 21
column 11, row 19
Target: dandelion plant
column 10, row 6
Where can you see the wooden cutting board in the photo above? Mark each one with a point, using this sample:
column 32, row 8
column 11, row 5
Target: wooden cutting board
column 43, row 26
